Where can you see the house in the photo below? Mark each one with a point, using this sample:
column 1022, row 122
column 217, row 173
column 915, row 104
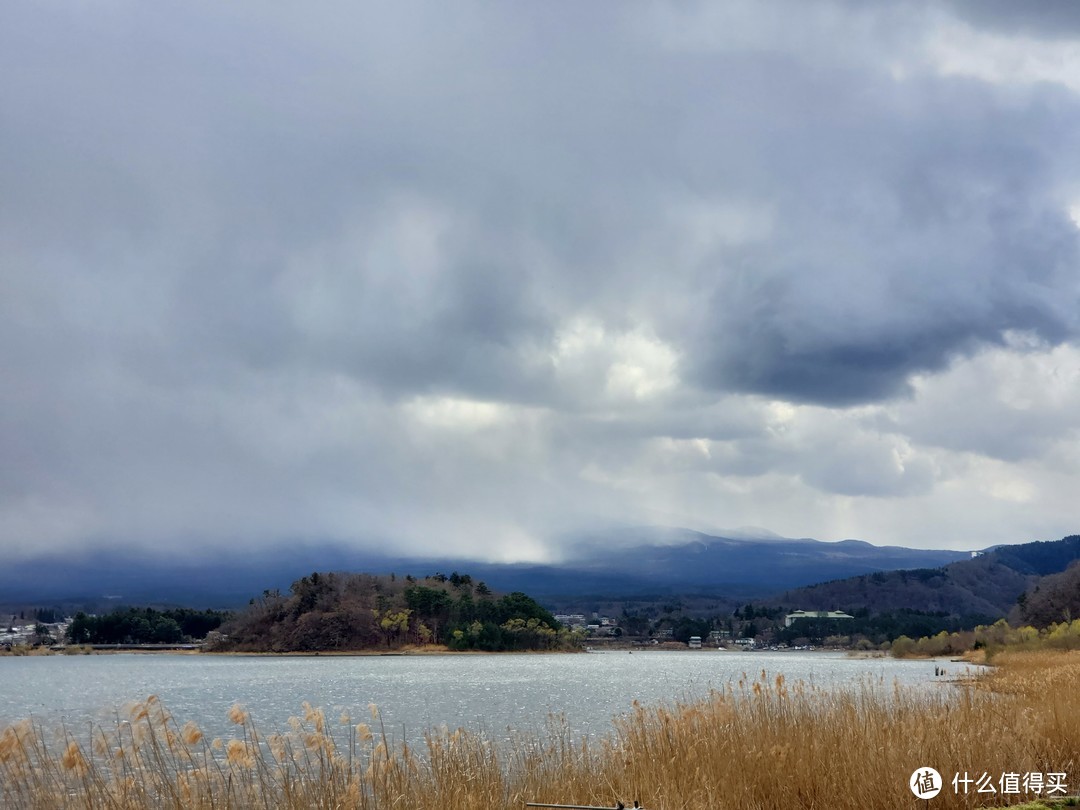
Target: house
column 695, row 642
column 570, row 619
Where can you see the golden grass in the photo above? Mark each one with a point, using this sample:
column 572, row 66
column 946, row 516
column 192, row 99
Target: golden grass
column 760, row 743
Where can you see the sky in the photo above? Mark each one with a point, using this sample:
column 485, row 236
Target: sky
column 483, row 278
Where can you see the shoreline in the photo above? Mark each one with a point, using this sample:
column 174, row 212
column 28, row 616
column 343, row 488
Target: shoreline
column 145, row 649
column 432, row 650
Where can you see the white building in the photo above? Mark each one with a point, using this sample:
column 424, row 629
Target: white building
column 815, row 614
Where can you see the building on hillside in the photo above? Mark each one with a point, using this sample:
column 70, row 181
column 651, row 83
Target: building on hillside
column 695, row 642
column 791, row 618
column 570, row 619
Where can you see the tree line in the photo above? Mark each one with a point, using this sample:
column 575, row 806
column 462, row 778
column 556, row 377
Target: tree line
column 337, row 611
column 133, row 625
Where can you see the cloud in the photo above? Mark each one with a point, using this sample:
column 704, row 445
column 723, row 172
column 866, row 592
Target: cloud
column 480, row 277
column 1012, row 404
column 892, row 261
column 1054, row 19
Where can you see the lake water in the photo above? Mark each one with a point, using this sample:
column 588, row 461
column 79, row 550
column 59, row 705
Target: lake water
column 488, row 693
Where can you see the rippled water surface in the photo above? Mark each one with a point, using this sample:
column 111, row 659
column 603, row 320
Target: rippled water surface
column 414, row 693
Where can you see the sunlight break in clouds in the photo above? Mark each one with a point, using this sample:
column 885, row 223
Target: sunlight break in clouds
column 632, row 365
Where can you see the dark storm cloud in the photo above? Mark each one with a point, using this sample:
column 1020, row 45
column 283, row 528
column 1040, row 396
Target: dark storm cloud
column 916, row 227
column 544, row 157
column 1056, row 19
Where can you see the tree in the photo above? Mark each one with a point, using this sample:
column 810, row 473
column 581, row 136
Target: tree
column 902, row 647
column 394, row 624
column 80, row 629
column 686, row 627
column 42, row 635
column 634, row 624
column 1056, row 598
column 166, row 631
column 357, row 611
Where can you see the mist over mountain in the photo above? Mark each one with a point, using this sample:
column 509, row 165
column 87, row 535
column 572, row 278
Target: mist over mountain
column 694, row 560
column 389, row 272
column 623, row 563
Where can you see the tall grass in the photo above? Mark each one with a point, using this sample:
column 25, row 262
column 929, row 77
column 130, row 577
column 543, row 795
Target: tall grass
column 758, row 743
column 992, row 639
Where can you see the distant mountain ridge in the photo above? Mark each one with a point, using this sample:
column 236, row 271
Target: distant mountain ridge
column 621, row 563
column 695, row 561
column 988, row 584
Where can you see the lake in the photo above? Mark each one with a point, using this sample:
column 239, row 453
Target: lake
column 414, row 693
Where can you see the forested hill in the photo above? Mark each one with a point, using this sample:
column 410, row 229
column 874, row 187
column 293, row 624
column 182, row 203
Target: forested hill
column 1054, row 598
column 989, row 584
column 337, row 611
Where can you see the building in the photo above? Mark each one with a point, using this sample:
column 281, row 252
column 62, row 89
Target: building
column 570, row 619
column 695, row 642
column 815, row 614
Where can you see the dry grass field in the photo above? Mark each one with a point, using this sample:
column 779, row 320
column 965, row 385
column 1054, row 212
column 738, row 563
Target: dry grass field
column 761, row 743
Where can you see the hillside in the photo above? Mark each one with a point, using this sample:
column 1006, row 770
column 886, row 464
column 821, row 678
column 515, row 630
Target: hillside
column 620, row 564
column 1053, row 598
column 687, row 560
column 988, row 584
column 337, row 611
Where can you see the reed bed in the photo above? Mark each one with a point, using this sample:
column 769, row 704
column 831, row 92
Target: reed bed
column 758, row 743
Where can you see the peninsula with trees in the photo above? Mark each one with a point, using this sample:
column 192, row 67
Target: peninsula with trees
column 355, row 612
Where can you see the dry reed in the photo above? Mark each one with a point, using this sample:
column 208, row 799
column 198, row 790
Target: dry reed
column 759, row 743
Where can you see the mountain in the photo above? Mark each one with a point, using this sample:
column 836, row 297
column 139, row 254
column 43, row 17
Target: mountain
column 694, row 560
column 987, row 584
column 620, row 563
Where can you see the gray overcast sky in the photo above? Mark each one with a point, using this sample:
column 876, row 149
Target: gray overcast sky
column 480, row 277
